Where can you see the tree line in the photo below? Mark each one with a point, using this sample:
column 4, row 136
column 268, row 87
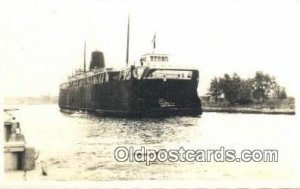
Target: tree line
column 235, row 89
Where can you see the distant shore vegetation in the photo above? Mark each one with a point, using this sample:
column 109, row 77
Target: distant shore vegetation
column 260, row 94
column 236, row 90
column 44, row 99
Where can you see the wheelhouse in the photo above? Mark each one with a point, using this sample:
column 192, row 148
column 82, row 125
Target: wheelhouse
column 154, row 60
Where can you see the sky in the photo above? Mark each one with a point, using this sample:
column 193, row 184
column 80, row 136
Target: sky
column 41, row 42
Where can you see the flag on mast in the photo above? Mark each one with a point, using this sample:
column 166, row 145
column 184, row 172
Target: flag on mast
column 154, row 41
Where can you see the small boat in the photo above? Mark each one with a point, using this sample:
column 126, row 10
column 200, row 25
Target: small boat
column 17, row 154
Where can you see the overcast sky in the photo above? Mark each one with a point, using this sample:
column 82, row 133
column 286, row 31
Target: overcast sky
column 42, row 41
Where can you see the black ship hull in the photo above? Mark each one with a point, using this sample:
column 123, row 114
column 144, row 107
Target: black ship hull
column 147, row 97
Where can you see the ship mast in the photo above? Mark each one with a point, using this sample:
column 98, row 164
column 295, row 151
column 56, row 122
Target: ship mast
column 84, row 55
column 154, row 43
column 127, row 49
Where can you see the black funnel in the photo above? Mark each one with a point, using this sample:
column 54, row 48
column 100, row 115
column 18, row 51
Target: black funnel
column 97, row 60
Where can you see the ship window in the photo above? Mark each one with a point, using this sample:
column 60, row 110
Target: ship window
column 166, row 58
column 151, row 58
column 172, row 74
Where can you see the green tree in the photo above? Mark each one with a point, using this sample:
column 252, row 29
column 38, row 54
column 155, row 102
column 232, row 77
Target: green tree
column 262, row 85
column 214, row 89
column 243, row 91
column 280, row 93
column 230, row 87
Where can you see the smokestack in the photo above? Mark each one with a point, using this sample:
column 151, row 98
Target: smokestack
column 97, row 60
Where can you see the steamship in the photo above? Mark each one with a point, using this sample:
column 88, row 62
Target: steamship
column 152, row 88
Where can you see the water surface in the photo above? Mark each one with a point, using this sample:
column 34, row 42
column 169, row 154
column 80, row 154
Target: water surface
column 81, row 146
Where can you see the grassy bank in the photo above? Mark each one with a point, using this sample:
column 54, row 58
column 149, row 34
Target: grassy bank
column 271, row 106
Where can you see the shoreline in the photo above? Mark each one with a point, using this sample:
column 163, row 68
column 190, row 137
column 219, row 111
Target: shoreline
column 249, row 110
